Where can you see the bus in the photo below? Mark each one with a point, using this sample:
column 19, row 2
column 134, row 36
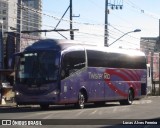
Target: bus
column 56, row 72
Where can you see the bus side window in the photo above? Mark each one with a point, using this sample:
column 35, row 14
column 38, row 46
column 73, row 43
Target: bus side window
column 72, row 62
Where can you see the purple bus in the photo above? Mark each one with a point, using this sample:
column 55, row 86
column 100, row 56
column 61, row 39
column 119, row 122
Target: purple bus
column 52, row 72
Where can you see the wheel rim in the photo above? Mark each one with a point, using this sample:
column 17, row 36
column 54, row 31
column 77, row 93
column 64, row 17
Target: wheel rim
column 130, row 97
column 81, row 100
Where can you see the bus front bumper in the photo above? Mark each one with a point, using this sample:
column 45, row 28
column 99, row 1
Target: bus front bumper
column 36, row 100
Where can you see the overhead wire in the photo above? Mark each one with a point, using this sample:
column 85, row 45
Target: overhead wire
column 142, row 11
column 74, row 22
column 94, row 34
column 80, row 23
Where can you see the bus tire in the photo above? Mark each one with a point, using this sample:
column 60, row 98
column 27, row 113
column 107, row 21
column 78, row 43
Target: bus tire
column 129, row 99
column 81, row 101
column 44, row 106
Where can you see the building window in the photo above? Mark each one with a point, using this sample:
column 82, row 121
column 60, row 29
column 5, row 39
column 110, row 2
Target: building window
column 4, row 5
column 4, row 18
column 4, row 26
column 4, row 11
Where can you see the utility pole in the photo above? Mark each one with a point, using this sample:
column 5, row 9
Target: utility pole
column 1, row 45
column 159, row 56
column 106, row 25
column 153, row 83
column 114, row 4
column 71, row 27
column 19, row 25
column 71, row 23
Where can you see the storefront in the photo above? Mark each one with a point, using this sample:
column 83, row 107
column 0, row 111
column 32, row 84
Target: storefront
column 6, row 85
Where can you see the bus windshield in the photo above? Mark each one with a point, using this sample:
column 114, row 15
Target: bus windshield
column 38, row 67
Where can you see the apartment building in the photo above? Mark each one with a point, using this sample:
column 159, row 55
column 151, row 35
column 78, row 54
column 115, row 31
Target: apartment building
column 8, row 14
column 31, row 20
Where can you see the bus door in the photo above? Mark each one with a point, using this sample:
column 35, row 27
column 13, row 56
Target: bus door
column 71, row 75
column 66, row 91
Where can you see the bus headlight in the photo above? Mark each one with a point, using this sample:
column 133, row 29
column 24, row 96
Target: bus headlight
column 17, row 93
column 56, row 92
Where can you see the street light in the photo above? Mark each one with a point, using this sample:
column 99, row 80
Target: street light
column 136, row 30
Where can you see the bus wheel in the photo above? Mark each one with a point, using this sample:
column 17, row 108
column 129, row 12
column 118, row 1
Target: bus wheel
column 44, row 106
column 130, row 97
column 81, row 101
column 129, row 100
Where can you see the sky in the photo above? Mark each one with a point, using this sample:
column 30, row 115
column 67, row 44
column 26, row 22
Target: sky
column 135, row 14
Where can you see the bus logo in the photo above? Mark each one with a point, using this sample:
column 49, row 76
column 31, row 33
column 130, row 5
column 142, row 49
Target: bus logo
column 106, row 76
column 99, row 76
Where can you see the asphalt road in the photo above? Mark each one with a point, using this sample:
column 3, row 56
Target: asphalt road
column 91, row 116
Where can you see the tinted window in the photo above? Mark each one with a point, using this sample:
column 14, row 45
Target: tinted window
column 115, row 60
column 72, row 62
column 38, row 67
column 97, row 58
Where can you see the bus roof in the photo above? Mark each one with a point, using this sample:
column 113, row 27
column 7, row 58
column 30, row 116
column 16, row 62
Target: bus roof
column 58, row 44
column 53, row 44
column 116, row 50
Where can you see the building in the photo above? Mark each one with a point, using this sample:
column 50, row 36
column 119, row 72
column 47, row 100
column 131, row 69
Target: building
column 32, row 20
column 8, row 14
column 151, row 47
column 148, row 44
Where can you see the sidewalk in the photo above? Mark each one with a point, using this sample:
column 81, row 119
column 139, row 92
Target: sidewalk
column 14, row 105
column 8, row 104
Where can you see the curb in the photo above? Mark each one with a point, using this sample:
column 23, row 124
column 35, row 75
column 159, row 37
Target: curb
column 8, row 105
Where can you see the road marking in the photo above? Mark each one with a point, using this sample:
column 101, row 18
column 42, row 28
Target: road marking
column 149, row 101
column 92, row 113
column 142, row 102
column 38, row 114
column 50, row 115
column 44, row 113
column 115, row 110
column 28, row 116
column 124, row 109
column 78, row 114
